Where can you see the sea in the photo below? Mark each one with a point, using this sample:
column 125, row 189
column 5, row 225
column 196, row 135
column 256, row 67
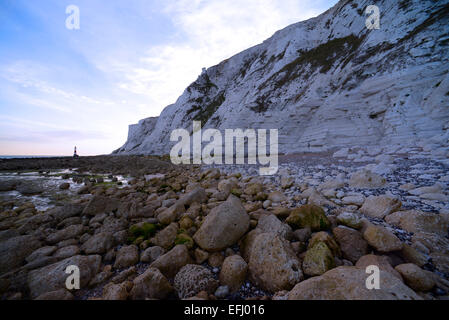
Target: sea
column 49, row 183
column 28, row 157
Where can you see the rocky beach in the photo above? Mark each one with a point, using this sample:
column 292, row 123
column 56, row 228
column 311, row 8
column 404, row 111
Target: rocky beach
column 152, row 230
column 355, row 101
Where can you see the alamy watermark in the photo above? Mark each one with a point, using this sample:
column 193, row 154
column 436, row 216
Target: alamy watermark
column 73, row 280
column 189, row 149
column 373, row 281
column 73, row 20
column 373, row 20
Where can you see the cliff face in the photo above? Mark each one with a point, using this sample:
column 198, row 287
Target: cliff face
column 326, row 82
column 137, row 133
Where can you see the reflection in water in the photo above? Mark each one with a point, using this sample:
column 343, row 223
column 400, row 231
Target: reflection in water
column 47, row 185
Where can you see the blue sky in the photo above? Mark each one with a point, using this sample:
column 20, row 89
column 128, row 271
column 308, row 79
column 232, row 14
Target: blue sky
column 129, row 59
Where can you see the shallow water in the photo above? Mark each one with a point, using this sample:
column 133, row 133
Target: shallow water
column 50, row 183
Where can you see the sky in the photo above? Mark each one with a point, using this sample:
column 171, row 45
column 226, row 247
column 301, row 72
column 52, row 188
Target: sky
column 129, row 59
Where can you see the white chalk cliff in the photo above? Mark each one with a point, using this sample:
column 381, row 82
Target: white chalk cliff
column 326, row 82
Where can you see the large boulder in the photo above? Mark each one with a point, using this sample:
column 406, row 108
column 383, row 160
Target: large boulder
column 29, row 188
column 99, row 243
column 151, row 285
column 381, row 206
column 351, row 242
column 53, row 277
column 273, row 264
column 349, row 283
column 127, row 256
column 13, row 251
column 100, row 204
column 381, row 239
column 382, row 262
column 318, row 260
column 67, row 211
column 415, row 221
column 415, row 277
column 308, row 215
column 223, row 226
column 166, row 237
column 171, row 262
column 233, row 272
column 192, row 279
column 70, row 232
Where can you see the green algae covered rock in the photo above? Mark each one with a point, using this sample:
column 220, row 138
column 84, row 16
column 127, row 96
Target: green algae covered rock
column 309, row 216
column 318, row 260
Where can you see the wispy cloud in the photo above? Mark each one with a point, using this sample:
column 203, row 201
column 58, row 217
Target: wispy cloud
column 207, row 33
column 54, row 136
column 22, row 123
column 32, row 76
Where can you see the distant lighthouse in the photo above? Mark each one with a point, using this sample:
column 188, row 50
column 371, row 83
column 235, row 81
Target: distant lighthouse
column 75, row 155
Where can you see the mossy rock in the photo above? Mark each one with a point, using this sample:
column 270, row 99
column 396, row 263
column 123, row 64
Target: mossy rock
column 236, row 192
column 318, row 260
column 328, row 240
column 186, row 223
column 309, row 215
column 144, row 230
column 185, row 239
